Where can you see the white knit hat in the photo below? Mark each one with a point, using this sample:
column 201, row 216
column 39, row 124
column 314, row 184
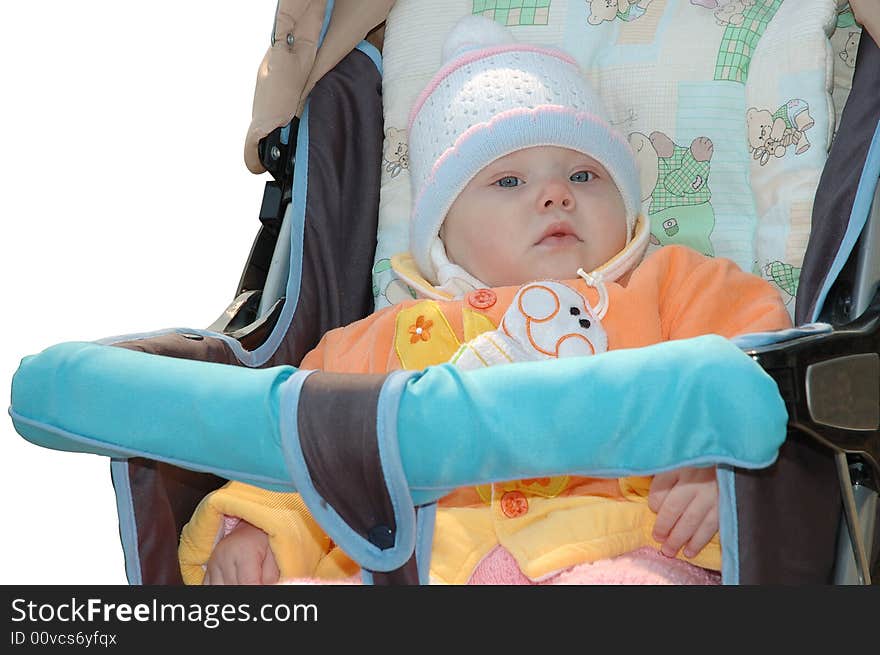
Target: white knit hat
column 491, row 97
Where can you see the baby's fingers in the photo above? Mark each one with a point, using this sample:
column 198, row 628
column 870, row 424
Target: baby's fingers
column 674, row 505
column 661, row 485
column 686, row 527
column 271, row 574
column 248, row 570
column 213, row 575
column 704, row 533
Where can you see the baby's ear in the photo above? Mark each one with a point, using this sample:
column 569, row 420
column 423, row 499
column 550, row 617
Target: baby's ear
column 538, row 302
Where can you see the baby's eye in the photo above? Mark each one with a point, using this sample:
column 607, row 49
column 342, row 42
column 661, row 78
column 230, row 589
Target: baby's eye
column 582, row 176
column 508, row 181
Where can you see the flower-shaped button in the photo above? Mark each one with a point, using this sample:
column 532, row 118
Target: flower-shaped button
column 514, row 503
column 482, row 298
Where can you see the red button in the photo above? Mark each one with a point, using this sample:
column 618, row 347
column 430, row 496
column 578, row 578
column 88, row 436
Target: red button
column 514, row 503
column 482, row 298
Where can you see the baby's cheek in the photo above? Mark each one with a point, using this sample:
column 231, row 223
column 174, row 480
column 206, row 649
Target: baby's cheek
column 496, row 265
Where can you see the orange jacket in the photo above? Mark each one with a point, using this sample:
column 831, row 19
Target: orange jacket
column 547, row 524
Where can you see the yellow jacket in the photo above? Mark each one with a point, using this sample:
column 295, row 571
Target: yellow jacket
column 547, row 524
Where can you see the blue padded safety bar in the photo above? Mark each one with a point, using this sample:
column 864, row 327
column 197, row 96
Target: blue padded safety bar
column 610, row 415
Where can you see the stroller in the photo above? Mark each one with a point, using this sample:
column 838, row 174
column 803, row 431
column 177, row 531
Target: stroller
column 309, row 271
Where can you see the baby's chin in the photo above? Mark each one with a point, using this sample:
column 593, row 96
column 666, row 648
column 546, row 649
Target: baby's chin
column 562, row 266
column 546, row 272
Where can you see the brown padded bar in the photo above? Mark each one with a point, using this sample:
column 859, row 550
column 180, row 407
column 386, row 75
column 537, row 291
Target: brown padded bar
column 788, row 516
column 167, row 496
column 196, row 347
column 407, row 574
column 336, row 419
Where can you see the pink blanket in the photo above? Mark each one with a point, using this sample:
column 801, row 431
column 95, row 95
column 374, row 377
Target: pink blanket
column 644, row 566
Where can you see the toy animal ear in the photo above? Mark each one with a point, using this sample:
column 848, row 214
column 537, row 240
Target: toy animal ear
column 538, row 302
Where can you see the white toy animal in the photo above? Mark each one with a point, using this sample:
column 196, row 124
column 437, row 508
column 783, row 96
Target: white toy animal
column 546, row 320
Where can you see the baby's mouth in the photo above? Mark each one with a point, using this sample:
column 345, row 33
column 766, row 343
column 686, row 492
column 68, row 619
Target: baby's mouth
column 557, row 234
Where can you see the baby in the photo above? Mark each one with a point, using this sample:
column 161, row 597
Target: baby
column 517, row 177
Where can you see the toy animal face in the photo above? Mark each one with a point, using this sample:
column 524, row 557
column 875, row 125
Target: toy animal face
column 604, row 10
column 731, row 11
column 554, row 320
column 396, row 153
column 760, row 126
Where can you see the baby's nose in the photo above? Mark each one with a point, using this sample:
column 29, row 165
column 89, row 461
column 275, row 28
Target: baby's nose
column 556, row 195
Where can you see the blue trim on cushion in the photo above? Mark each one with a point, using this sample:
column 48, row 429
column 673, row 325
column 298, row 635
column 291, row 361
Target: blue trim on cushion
column 372, row 52
column 296, row 212
column 425, row 518
column 127, row 523
column 356, row 546
column 366, row 577
column 396, row 483
column 727, row 525
column 857, row 218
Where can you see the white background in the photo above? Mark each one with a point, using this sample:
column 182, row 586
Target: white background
column 125, row 206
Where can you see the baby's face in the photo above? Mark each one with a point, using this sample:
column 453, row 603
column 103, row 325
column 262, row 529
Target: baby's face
column 538, row 213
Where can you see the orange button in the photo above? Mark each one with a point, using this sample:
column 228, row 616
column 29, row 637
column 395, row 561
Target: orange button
column 514, row 503
column 482, row 298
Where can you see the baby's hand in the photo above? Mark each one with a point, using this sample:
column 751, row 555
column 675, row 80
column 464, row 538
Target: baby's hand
column 686, row 503
column 242, row 557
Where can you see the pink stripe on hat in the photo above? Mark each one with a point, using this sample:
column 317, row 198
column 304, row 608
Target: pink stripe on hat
column 476, row 55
